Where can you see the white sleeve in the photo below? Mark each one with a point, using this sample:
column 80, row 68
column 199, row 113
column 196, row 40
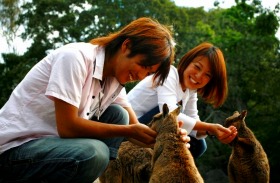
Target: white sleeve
column 190, row 108
column 192, row 111
column 67, row 76
column 188, row 122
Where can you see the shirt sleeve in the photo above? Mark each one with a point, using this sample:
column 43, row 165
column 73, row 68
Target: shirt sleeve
column 67, row 77
column 190, row 108
column 192, row 111
column 188, row 123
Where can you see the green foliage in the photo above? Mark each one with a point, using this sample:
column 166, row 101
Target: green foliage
column 245, row 33
column 12, row 71
column 9, row 11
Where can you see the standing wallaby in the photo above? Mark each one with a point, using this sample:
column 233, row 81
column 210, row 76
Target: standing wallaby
column 248, row 161
column 172, row 161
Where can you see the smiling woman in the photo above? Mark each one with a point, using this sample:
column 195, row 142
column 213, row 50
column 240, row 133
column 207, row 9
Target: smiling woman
column 202, row 71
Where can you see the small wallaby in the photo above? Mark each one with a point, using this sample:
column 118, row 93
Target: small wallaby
column 172, row 161
column 248, row 161
column 133, row 165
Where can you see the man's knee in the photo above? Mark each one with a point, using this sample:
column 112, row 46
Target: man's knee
column 115, row 114
column 93, row 160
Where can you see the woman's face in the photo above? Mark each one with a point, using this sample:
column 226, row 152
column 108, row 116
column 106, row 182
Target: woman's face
column 197, row 74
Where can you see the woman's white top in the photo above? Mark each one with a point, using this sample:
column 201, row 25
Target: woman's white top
column 143, row 97
column 71, row 73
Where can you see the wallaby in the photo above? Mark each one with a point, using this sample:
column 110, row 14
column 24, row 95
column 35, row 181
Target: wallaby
column 172, row 162
column 248, row 161
column 133, row 165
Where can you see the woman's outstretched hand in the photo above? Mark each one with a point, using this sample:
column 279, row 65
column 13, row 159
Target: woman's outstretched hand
column 224, row 135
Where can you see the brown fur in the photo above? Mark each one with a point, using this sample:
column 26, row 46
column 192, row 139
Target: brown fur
column 133, row 165
column 172, row 161
column 248, row 161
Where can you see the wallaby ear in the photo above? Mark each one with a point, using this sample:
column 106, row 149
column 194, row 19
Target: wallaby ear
column 243, row 114
column 177, row 110
column 165, row 110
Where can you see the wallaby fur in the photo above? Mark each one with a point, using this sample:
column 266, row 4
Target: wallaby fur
column 133, row 165
column 248, row 161
column 169, row 162
column 172, row 162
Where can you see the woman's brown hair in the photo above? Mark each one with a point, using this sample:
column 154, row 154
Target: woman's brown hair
column 148, row 37
column 215, row 92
